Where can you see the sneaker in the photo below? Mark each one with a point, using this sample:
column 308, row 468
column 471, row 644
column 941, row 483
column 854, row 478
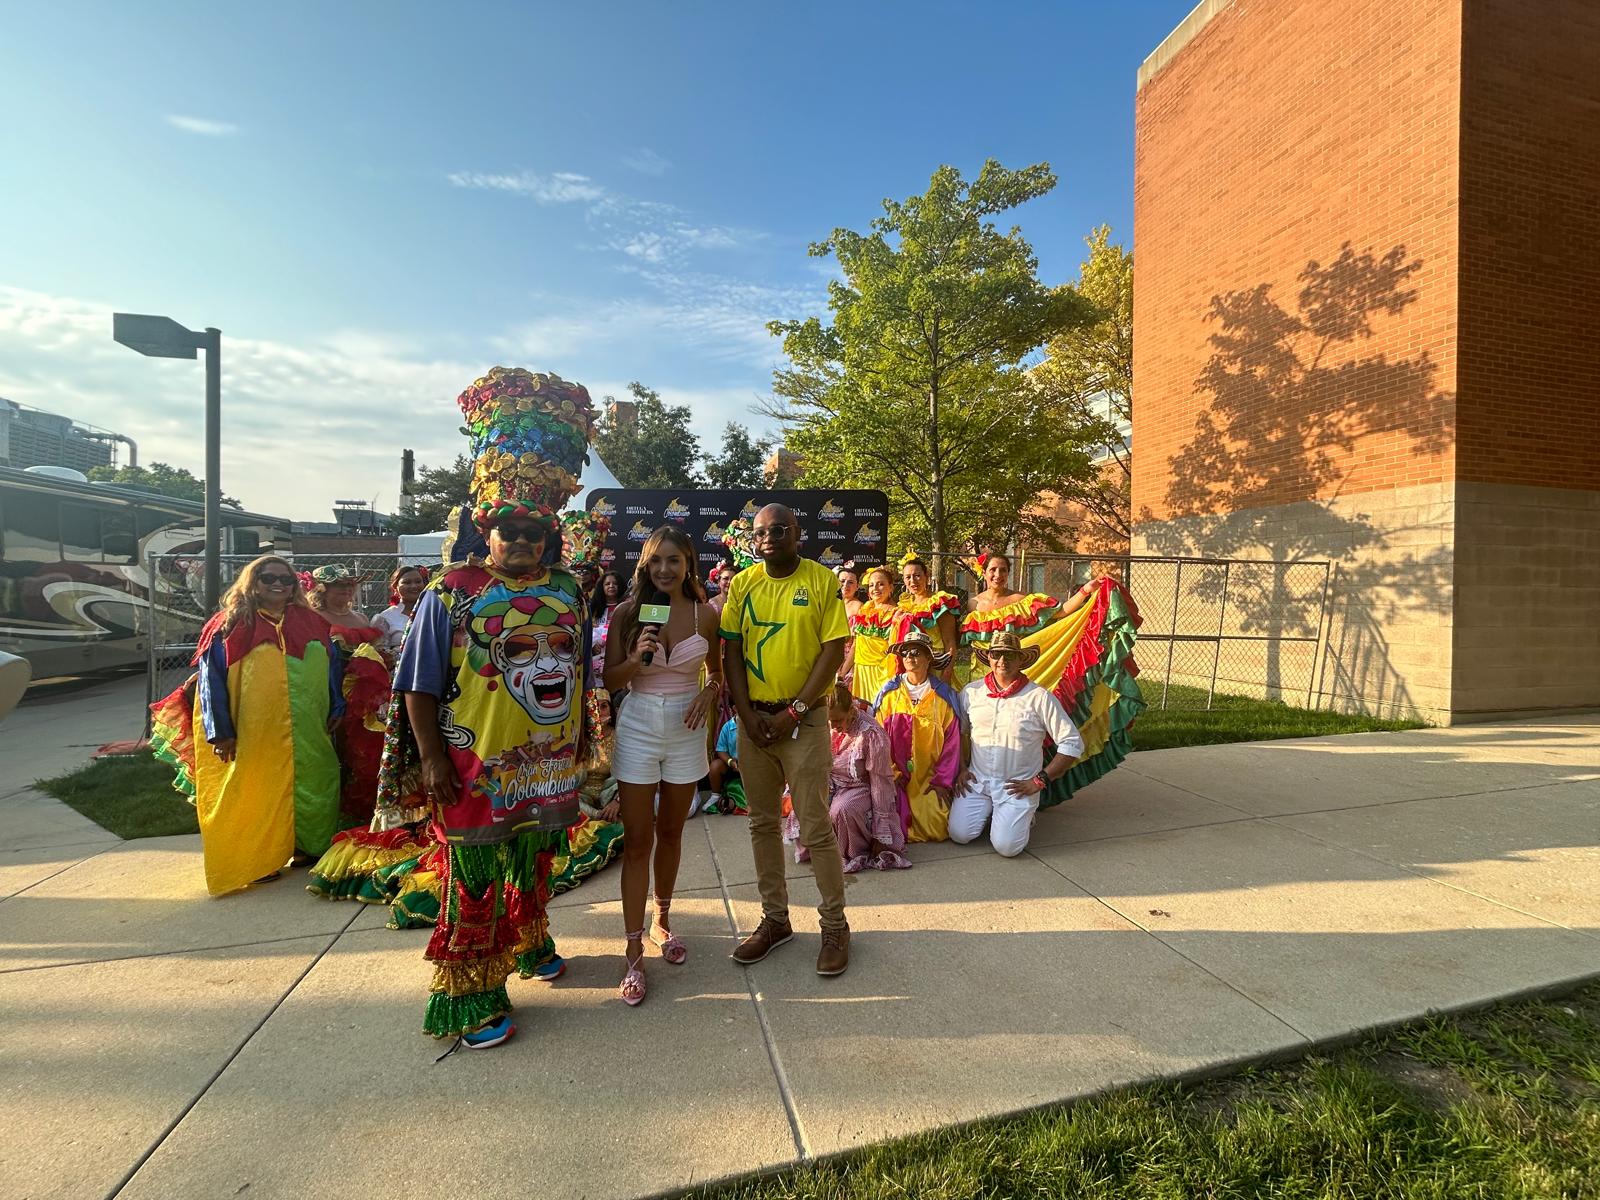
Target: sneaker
column 769, row 935
column 490, row 1035
column 551, row 969
column 835, row 954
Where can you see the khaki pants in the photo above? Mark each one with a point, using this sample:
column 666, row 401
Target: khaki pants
column 803, row 762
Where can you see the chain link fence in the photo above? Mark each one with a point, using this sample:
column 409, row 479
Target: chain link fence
column 1214, row 628
column 178, row 609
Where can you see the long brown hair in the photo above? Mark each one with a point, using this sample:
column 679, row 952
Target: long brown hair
column 239, row 601
column 627, row 615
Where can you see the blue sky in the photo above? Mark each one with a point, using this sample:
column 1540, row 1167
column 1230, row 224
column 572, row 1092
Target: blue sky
column 375, row 202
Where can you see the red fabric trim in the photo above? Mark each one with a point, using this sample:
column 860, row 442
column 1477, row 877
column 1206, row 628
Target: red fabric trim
column 301, row 627
column 982, row 622
column 996, row 692
column 1088, row 652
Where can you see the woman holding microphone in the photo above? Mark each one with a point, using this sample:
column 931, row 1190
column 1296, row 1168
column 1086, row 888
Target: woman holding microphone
column 658, row 647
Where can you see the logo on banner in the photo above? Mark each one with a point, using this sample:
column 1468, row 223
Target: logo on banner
column 868, row 536
column 608, row 556
column 638, row 533
column 604, row 508
column 714, row 532
column 830, row 512
column 831, row 558
column 712, row 510
column 677, row 510
column 829, row 535
column 750, row 509
column 866, row 512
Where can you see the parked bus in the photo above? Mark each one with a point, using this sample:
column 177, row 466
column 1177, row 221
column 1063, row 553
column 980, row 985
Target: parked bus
column 76, row 592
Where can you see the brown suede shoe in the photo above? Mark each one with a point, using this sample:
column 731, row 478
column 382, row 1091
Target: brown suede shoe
column 835, row 954
column 769, row 935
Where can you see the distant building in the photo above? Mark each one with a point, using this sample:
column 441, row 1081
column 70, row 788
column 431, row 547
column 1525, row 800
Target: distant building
column 30, row 437
column 356, row 528
column 782, row 468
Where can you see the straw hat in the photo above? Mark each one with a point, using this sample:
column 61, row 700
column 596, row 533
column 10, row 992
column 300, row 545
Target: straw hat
column 1007, row 642
column 913, row 637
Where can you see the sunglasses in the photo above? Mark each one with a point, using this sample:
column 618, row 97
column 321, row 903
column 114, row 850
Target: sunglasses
column 773, row 534
column 532, row 534
column 274, row 579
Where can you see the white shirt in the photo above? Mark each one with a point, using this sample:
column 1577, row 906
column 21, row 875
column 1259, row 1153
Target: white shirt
column 1008, row 735
column 392, row 621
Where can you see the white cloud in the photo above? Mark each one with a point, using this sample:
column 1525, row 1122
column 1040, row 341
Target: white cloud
column 647, row 162
column 561, row 187
column 202, row 125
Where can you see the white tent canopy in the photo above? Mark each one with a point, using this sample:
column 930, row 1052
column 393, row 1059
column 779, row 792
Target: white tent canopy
column 595, row 475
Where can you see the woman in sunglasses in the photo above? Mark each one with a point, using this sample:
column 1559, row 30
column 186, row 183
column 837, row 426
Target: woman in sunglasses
column 255, row 752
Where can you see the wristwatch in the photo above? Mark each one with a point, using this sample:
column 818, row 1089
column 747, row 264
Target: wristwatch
column 800, row 708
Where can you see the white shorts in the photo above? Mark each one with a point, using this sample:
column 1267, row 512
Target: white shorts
column 654, row 746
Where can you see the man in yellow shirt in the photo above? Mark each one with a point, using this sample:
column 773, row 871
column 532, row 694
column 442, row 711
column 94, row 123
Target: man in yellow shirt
column 783, row 637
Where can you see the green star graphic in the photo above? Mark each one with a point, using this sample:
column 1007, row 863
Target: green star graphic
column 772, row 628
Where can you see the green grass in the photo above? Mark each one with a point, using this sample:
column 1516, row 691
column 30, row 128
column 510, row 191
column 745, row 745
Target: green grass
column 131, row 795
column 1501, row 1103
column 1188, row 722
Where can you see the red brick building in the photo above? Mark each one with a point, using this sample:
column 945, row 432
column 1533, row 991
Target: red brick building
column 1367, row 330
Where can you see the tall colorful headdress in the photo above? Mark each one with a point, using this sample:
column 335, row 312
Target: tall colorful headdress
column 583, row 535
column 530, row 439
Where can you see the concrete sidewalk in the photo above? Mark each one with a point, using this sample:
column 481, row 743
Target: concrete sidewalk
column 1196, row 908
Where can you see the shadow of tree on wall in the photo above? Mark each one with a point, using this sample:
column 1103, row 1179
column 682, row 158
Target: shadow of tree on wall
column 1289, row 403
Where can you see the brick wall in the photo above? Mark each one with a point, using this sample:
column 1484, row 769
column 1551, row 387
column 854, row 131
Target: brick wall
column 1282, row 131
column 1530, row 244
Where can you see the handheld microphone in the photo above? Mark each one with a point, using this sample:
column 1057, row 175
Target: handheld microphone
column 655, row 613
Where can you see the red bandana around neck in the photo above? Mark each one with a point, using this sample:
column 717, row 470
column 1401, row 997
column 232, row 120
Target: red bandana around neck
column 1004, row 693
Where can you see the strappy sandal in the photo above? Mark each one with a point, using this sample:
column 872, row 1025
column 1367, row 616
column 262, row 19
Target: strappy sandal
column 632, row 988
column 672, row 947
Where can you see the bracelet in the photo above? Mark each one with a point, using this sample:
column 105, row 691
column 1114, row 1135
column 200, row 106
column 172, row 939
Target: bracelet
column 793, row 716
column 1042, row 780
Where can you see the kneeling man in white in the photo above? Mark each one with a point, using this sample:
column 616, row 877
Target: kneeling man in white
column 1009, row 717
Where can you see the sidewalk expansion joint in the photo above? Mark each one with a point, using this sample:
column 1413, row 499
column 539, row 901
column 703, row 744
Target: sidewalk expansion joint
column 94, row 962
column 758, row 1002
column 1199, row 966
column 104, row 846
column 333, row 940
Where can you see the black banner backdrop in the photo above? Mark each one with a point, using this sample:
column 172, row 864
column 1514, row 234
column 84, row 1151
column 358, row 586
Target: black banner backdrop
column 835, row 526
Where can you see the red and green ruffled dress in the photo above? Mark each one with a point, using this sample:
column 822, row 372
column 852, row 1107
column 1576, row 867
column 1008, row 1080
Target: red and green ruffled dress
column 1086, row 660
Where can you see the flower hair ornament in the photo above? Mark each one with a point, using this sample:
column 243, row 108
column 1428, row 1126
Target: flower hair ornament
column 910, row 557
column 739, row 538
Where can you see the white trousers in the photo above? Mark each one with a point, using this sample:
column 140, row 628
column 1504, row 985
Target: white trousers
column 986, row 802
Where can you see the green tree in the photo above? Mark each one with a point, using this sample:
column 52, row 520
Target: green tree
column 161, row 478
column 741, row 461
column 434, row 492
column 646, row 443
column 1087, row 376
column 917, row 385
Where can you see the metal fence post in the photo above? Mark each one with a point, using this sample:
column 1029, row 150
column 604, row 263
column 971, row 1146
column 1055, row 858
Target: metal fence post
column 1322, row 617
column 1216, row 650
column 1172, row 632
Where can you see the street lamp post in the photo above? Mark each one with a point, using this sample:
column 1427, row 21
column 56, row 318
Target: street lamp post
column 162, row 337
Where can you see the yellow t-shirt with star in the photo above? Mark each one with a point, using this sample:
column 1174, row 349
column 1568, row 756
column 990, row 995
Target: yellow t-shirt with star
column 782, row 623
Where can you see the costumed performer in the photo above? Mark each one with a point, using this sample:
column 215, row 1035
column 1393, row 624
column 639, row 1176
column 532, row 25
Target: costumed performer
column 493, row 676
column 1085, row 659
column 405, row 588
column 1010, row 721
column 850, row 593
column 265, row 779
column 934, row 612
column 331, row 591
column 865, row 807
column 874, row 624
column 921, row 713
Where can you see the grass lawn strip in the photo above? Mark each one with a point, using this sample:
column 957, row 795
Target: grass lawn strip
column 130, row 795
column 1503, row 1102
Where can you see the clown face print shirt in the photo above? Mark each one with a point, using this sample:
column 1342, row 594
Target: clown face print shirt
column 508, row 661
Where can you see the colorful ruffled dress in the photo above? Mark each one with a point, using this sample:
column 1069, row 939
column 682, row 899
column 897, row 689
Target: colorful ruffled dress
column 508, row 660
column 1086, row 659
column 874, row 627
column 925, row 746
column 924, row 612
column 366, row 710
column 273, row 686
